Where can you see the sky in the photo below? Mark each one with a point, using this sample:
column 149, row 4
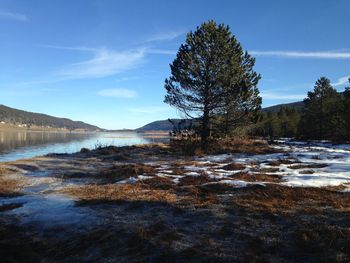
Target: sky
column 105, row 62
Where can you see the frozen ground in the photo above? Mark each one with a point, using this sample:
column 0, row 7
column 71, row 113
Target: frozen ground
column 299, row 164
column 147, row 204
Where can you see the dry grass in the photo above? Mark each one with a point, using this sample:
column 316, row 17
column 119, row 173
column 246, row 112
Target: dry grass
column 220, row 146
column 128, row 170
column 260, row 177
column 157, row 182
column 10, row 186
column 195, row 180
column 265, row 169
column 108, row 150
column 120, row 192
column 233, row 166
column 307, row 172
column 310, row 166
column 277, row 198
column 282, row 161
column 242, row 145
column 6, row 170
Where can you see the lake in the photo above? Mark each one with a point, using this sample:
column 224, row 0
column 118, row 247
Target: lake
column 16, row 145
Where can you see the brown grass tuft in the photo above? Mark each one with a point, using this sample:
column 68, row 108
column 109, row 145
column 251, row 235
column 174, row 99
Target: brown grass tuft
column 223, row 145
column 277, row 198
column 233, row 166
column 282, row 161
column 260, row 177
column 120, row 192
column 10, row 187
column 195, row 180
column 128, row 170
column 311, row 166
column 157, row 182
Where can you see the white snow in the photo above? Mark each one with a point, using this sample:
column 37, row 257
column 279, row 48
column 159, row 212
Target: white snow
column 237, row 183
column 335, row 173
column 336, row 157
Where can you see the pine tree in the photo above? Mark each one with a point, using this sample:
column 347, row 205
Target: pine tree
column 321, row 114
column 212, row 76
column 346, row 112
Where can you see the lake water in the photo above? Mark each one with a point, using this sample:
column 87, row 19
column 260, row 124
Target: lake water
column 16, row 145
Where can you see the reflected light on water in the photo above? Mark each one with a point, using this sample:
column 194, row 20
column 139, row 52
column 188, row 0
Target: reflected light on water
column 16, row 145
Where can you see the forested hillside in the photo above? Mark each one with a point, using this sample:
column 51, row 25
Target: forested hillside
column 20, row 117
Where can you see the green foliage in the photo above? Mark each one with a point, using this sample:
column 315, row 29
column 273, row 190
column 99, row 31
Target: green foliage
column 346, row 112
column 283, row 123
column 325, row 116
column 212, row 79
column 322, row 115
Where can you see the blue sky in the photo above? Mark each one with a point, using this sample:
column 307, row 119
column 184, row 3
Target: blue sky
column 104, row 62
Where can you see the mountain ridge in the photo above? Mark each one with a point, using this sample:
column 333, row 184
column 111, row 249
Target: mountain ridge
column 163, row 125
column 22, row 118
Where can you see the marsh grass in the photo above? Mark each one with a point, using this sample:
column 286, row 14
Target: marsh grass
column 125, row 171
column 277, row 198
column 258, row 177
column 10, row 186
column 308, row 166
column 120, row 192
column 233, row 167
column 192, row 147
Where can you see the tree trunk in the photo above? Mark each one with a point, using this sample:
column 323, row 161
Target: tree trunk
column 205, row 130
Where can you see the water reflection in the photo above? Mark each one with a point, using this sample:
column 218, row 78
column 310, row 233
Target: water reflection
column 26, row 144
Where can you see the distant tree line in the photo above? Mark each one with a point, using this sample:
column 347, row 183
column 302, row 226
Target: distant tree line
column 325, row 116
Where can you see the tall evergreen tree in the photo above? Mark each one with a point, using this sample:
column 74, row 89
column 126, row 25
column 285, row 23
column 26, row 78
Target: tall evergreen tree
column 346, row 111
column 321, row 114
column 212, row 76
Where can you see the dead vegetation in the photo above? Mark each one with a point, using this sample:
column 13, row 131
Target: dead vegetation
column 125, row 171
column 277, row 198
column 283, row 161
column 308, row 166
column 233, row 166
column 10, row 186
column 157, row 182
column 258, row 177
column 120, row 192
column 221, row 146
column 195, row 180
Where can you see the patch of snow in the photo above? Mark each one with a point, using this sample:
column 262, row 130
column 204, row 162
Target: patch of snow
column 238, row 183
column 192, row 174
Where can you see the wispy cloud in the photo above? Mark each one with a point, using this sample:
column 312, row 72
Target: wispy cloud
column 281, row 96
column 161, row 51
column 164, row 36
column 150, row 109
column 302, row 54
column 105, row 62
column 341, row 81
column 118, row 93
column 13, row 16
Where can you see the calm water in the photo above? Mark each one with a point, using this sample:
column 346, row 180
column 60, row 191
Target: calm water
column 26, row 144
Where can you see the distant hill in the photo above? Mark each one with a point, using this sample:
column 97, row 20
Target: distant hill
column 20, row 117
column 299, row 105
column 165, row 125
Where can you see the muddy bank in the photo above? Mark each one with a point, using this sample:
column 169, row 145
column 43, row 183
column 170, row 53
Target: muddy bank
column 151, row 203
